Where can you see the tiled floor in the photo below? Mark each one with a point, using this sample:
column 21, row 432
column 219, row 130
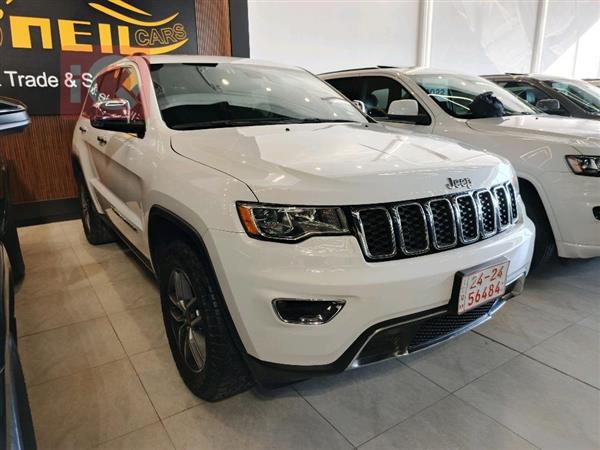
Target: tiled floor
column 100, row 374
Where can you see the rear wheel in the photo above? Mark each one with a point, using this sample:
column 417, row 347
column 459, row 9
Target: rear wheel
column 545, row 245
column 202, row 347
column 96, row 230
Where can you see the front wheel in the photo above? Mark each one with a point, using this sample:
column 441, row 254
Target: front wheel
column 202, row 347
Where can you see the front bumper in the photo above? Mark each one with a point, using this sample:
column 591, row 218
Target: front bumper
column 252, row 273
column 572, row 200
column 391, row 339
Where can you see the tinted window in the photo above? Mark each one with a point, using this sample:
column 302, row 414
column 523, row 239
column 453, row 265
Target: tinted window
column 584, row 95
column 529, row 93
column 103, row 88
column 347, row 86
column 194, row 96
column 129, row 89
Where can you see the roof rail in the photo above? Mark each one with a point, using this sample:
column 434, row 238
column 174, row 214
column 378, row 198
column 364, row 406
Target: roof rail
column 360, row 68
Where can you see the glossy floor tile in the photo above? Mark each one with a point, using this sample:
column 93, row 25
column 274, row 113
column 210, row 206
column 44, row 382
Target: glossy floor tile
column 162, row 382
column 152, row 437
column 549, row 409
column 89, row 408
column 573, row 351
column 360, row 403
column 459, row 362
column 69, row 349
column 140, row 329
column 520, row 327
column 276, row 420
column 57, row 309
column 449, row 424
column 100, row 373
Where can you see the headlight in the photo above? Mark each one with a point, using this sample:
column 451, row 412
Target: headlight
column 585, row 165
column 289, row 223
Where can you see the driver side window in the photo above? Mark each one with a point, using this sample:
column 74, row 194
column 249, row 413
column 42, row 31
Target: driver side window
column 103, row 88
column 528, row 93
column 377, row 93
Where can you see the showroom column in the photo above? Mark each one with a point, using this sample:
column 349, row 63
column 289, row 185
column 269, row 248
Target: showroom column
column 538, row 39
column 425, row 27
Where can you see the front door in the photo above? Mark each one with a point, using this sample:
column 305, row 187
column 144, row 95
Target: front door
column 116, row 158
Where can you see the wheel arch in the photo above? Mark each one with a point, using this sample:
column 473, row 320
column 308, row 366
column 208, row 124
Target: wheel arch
column 526, row 183
column 163, row 223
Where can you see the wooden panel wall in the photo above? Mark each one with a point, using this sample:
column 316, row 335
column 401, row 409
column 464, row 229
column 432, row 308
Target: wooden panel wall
column 214, row 36
column 39, row 159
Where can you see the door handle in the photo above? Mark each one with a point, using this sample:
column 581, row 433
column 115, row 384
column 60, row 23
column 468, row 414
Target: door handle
column 101, row 140
column 83, row 130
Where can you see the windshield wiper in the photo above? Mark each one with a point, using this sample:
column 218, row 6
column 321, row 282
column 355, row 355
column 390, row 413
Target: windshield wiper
column 318, row 120
column 225, row 123
column 251, row 122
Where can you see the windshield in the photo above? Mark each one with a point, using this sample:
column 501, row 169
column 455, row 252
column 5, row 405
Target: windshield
column 455, row 94
column 581, row 93
column 195, row 96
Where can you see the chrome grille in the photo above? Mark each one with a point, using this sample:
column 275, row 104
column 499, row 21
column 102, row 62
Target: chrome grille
column 468, row 220
column 412, row 223
column 513, row 202
column 376, row 230
column 443, row 223
column 487, row 213
column 504, row 213
column 436, row 224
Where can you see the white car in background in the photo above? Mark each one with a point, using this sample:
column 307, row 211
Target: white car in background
column 557, row 159
column 291, row 235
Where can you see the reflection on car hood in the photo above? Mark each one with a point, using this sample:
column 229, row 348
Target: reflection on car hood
column 338, row 163
column 580, row 133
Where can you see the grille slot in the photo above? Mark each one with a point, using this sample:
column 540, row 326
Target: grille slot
column 513, row 202
column 438, row 327
column 414, row 236
column 504, row 213
column 376, row 232
column 443, row 223
column 424, row 226
column 487, row 213
column 468, row 223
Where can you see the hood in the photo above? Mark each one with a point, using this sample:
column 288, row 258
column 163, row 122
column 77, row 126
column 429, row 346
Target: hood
column 338, row 164
column 582, row 134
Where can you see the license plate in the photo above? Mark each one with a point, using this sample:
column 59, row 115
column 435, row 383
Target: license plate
column 481, row 285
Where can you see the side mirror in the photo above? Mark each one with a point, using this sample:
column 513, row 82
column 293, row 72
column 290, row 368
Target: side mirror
column 404, row 108
column 548, row 105
column 407, row 111
column 13, row 116
column 115, row 115
column 361, row 105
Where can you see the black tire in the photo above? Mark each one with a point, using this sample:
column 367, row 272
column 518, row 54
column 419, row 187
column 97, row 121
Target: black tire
column 221, row 371
column 545, row 245
column 97, row 232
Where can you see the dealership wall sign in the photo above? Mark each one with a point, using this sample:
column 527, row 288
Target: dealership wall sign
column 50, row 50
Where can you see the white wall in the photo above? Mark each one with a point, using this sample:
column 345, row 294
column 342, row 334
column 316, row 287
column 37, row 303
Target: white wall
column 334, row 34
column 486, row 36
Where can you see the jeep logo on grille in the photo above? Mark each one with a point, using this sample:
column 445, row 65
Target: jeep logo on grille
column 455, row 183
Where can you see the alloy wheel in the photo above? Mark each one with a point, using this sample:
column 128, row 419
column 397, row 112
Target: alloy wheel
column 186, row 321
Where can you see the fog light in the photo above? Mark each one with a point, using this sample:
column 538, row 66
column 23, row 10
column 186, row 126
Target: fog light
column 307, row 312
column 596, row 211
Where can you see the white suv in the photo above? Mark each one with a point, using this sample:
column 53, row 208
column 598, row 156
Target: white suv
column 291, row 235
column 557, row 159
